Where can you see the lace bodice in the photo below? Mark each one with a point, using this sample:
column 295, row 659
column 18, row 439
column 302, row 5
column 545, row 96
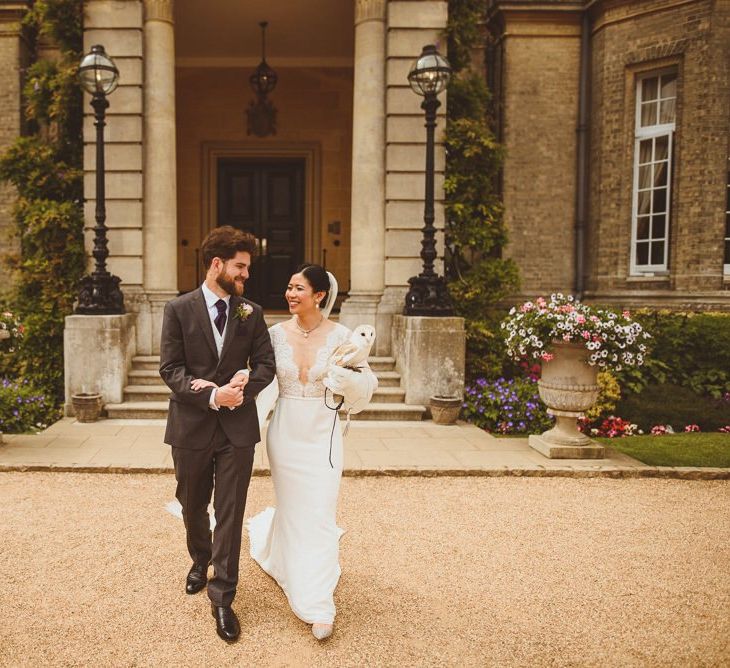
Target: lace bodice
column 288, row 373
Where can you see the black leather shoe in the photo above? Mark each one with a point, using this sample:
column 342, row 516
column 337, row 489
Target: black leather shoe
column 226, row 622
column 197, row 579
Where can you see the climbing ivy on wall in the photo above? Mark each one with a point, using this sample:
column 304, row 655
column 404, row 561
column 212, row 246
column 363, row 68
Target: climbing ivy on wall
column 478, row 276
column 45, row 166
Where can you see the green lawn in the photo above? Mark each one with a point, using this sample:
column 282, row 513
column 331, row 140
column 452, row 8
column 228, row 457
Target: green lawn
column 710, row 449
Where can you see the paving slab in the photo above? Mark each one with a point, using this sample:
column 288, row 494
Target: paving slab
column 371, row 448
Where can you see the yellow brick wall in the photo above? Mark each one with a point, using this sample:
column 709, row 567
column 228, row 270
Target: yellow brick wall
column 630, row 39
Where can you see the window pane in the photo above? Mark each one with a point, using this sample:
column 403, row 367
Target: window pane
column 649, row 88
column 660, row 200
column 645, row 151
column 669, row 85
column 644, row 202
column 645, row 177
column 666, row 111
column 657, row 252
column 727, row 252
column 660, row 174
column 661, row 150
column 658, row 226
column 648, row 114
column 642, row 227
column 642, row 253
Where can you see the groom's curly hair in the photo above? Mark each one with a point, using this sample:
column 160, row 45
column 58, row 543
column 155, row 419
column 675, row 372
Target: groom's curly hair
column 224, row 242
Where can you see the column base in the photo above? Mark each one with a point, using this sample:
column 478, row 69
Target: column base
column 97, row 351
column 430, row 355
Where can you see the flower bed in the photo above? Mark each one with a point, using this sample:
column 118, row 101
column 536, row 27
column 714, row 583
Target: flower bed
column 505, row 406
column 23, row 407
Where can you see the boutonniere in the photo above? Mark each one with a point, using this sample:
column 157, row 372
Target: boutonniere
column 243, row 311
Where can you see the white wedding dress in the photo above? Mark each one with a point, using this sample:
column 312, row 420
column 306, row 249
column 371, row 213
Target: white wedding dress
column 297, row 543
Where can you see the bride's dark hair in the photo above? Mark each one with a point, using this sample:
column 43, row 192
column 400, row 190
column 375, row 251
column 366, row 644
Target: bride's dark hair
column 317, row 277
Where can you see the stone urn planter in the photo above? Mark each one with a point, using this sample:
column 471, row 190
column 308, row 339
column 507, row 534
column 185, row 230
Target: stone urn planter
column 87, row 407
column 444, row 410
column 568, row 387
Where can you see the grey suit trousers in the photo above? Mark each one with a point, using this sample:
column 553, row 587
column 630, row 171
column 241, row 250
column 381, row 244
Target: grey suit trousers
column 228, row 469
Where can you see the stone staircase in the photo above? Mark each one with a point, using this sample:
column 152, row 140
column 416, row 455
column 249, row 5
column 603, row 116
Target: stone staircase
column 146, row 396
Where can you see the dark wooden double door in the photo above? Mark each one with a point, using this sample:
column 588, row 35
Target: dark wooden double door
column 266, row 198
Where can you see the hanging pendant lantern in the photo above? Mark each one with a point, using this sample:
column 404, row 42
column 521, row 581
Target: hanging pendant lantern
column 261, row 112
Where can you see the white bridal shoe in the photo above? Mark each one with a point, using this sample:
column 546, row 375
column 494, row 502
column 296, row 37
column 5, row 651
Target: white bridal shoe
column 322, row 631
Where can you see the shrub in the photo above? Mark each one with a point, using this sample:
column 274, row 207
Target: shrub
column 25, row 407
column 688, row 349
column 673, row 405
column 507, row 406
column 609, row 393
column 478, row 276
column 45, row 166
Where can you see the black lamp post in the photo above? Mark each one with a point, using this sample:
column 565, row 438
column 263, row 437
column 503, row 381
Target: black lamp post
column 428, row 294
column 99, row 293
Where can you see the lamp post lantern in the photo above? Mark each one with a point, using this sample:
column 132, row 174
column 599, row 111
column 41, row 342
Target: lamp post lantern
column 428, row 295
column 99, row 293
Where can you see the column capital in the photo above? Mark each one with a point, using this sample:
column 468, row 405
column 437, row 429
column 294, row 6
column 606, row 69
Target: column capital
column 159, row 10
column 11, row 16
column 369, row 10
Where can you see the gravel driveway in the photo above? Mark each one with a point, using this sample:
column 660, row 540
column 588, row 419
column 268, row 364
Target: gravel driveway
column 436, row 571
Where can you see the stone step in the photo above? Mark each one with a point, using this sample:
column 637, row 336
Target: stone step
column 388, row 395
column 152, row 377
column 137, row 393
column 138, row 410
column 147, row 410
column 146, row 362
column 381, row 363
column 152, row 363
column 388, row 378
column 383, row 411
column 144, row 377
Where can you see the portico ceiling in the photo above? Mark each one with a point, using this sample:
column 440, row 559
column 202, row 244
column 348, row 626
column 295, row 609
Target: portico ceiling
column 301, row 33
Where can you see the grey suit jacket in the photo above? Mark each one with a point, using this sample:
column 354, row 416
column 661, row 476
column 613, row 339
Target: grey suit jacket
column 188, row 351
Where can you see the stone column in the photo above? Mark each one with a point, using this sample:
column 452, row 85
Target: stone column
column 13, row 58
column 160, row 186
column 367, row 255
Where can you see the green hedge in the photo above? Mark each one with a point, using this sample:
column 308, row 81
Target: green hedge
column 691, row 350
column 674, row 405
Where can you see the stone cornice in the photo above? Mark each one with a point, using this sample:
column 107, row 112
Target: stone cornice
column 158, row 10
column 369, row 10
column 12, row 12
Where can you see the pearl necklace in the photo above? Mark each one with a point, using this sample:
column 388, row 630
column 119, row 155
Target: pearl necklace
column 305, row 332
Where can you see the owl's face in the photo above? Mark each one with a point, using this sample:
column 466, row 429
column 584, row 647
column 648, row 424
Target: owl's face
column 364, row 334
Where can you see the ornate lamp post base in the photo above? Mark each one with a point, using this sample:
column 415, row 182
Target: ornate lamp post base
column 428, row 296
column 100, row 295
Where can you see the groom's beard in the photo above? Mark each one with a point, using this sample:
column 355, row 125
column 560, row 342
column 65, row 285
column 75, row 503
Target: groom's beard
column 231, row 286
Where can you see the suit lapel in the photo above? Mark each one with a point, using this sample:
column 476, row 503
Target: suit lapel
column 201, row 315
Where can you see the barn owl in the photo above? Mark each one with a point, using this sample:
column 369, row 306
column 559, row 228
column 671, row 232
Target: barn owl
column 354, row 352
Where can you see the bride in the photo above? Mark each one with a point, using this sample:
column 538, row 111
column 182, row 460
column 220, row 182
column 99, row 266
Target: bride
column 297, row 543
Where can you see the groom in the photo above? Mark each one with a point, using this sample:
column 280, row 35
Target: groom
column 214, row 335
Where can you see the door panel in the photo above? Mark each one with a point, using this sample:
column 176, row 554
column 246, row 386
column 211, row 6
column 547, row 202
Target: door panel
column 266, row 198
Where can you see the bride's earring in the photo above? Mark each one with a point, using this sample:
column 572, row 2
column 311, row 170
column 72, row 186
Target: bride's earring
column 317, row 304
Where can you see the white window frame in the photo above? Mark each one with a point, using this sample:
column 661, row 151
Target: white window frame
column 640, row 134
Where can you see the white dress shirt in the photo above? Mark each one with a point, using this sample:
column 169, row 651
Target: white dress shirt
column 210, row 301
